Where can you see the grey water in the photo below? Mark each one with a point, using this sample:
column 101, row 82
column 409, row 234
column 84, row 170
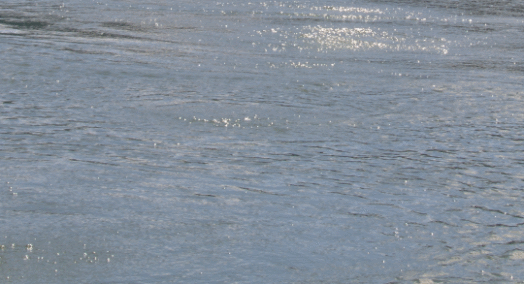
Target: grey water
column 261, row 141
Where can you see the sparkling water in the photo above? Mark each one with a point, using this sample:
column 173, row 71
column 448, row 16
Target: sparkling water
column 261, row 142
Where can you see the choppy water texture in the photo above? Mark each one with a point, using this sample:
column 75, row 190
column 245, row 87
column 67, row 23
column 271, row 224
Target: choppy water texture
column 294, row 141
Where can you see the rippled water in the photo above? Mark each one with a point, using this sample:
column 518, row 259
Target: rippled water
column 294, row 141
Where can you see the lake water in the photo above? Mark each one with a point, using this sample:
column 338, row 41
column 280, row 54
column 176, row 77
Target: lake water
column 261, row 142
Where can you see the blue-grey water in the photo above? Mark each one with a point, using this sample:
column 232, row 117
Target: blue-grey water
column 261, row 142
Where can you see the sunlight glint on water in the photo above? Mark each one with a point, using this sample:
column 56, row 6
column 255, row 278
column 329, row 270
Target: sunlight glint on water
column 275, row 141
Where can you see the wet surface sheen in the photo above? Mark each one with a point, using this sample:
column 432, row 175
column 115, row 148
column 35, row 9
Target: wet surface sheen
column 266, row 142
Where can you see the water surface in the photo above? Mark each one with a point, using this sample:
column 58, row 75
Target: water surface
column 293, row 141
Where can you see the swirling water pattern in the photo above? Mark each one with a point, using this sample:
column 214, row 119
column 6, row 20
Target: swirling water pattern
column 271, row 141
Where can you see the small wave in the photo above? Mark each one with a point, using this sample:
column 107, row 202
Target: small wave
column 5, row 30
